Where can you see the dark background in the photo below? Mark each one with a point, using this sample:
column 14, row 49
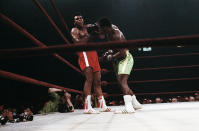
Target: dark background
column 135, row 18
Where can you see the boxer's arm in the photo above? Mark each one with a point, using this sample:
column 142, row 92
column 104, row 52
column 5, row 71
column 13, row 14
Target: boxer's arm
column 75, row 35
column 122, row 52
column 119, row 54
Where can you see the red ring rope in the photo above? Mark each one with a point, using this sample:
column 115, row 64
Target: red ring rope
column 158, row 42
column 60, row 16
column 169, row 67
column 51, row 21
column 158, row 93
column 35, row 40
column 159, row 56
column 105, row 71
column 148, row 81
column 26, row 79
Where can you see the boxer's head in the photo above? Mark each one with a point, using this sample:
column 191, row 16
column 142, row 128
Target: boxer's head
column 78, row 20
column 105, row 25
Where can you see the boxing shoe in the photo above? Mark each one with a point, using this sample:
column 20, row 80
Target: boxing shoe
column 123, row 111
column 128, row 106
column 87, row 106
column 107, row 109
column 91, row 111
column 136, row 104
column 102, row 105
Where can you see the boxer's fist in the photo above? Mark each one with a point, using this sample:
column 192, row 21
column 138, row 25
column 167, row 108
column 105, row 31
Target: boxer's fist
column 109, row 57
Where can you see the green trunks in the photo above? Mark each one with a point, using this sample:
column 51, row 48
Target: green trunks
column 125, row 65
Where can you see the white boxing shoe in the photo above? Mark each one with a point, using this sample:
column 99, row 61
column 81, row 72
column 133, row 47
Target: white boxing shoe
column 123, row 111
column 136, row 104
column 106, row 109
column 102, row 105
column 128, row 106
column 87, row 106
column 91, row 111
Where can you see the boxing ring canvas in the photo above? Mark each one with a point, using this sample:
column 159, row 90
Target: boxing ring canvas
column 181, row 116
column 153, row 117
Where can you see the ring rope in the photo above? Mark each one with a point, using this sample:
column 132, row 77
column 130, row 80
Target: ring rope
column 157, row 93
column 59, row 15
column 51, row 21
column 35, row 40
column 105, row 71
column 169, row 67
column 159, row 56
column 26, row 79
column 158, row 42
column 149, row 81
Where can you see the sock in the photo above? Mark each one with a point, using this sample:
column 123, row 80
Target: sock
column 87, row 104
column 102, row 103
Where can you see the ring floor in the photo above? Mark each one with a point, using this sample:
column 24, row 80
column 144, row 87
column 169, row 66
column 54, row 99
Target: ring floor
column 182, row 116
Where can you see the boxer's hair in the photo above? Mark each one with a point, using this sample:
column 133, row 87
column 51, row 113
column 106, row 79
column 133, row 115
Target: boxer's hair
column 104, row 22
column 77, row 14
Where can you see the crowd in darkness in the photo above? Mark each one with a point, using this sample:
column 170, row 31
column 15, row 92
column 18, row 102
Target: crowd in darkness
column 115, row 101
column 23, row 114
column 12, row 115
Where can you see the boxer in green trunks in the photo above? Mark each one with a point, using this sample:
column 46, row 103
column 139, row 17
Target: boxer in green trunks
column 123, row 64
